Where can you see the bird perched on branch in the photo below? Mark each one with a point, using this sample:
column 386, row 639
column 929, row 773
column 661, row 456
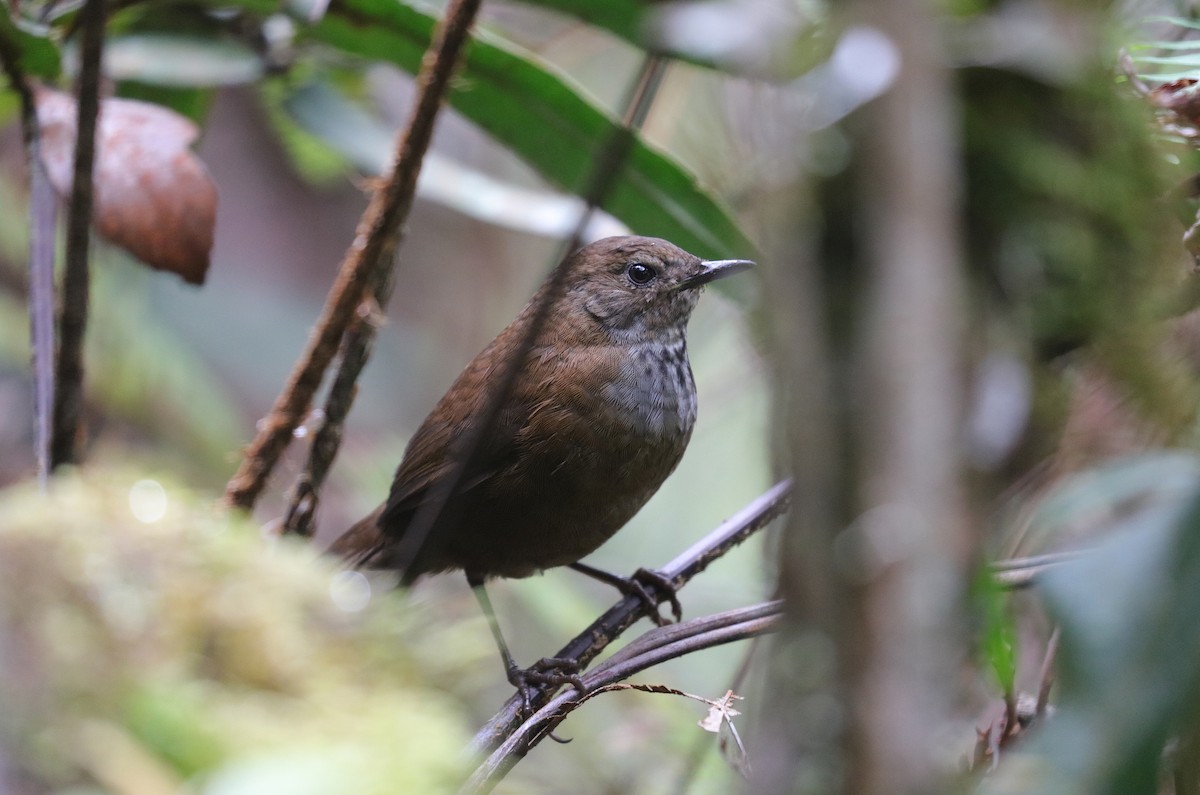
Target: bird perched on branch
column 556, row 434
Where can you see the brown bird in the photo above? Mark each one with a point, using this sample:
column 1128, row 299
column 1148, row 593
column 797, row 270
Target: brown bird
column 597, row 416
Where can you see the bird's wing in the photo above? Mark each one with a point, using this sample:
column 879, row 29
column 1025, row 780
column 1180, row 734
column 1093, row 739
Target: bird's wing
column 431, row 458
column 526, row 433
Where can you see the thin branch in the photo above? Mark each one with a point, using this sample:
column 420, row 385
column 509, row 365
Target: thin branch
column 377, row 233
column 356, row 350
column 656, row 646
column 1010, row 713
column 1016, row 573
column 1047, row 673
column 695, row 756
column 43, row 209
column 68, row 397
column 1035, row 561
column 604, row 630
column 609, row 162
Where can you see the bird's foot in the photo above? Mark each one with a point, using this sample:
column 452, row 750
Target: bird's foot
column 546, row 672
column 643, row 586
column 644, row 579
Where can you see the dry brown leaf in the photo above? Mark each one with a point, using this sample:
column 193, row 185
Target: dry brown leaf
column 153, row 195
column 719, row 712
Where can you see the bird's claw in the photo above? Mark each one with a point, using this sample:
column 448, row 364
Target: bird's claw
column 546, row 672
column 646, row 585
column 639, row 585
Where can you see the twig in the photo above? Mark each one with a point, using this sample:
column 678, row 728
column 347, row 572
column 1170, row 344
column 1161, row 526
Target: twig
column 608, row 165
column 1010, row 713
column 604, row 630
column 656, row 646
column 378, row 230
column 1034, row 561
column 1127, row 68
column 356, row 350
column 1047, row 673
column 1017, row 573
column 43, row 209
column 695, row 755
column 68, row 397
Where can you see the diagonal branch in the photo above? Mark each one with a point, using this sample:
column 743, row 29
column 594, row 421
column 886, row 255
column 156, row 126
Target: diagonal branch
column 604, row 630
column 656, row 646
column 378, row 231
column 356, row 350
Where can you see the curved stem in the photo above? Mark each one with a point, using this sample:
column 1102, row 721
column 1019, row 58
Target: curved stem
column 656, row 646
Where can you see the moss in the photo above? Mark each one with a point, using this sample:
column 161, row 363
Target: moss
column 143, row 655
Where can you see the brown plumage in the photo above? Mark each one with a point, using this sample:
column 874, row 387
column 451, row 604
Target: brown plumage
column 598, row 416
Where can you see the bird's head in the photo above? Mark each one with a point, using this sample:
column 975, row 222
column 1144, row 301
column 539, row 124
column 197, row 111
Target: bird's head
column 638, row 287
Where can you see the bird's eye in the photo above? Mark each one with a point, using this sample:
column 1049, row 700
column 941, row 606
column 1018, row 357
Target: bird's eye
column 640, row 273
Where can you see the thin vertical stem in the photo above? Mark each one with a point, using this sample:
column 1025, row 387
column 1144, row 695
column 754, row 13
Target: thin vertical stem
column 68, row 396
column 42, row 211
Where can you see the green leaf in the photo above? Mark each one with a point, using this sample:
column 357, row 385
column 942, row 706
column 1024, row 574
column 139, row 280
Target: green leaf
column 1191, row 59
column 545, row 120
column 193, row 103
column 998, row 637
column 635, row 21
column 1178, row 21
column 343, row 126
column 1169, row 77
column 316, row 160
column 622, row 17
column 319, row 122
column 1089, row 505
column 39, row 56
column 181, row 61
column 1189, row 44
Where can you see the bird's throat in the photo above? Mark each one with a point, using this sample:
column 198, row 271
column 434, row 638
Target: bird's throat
column 654, row 394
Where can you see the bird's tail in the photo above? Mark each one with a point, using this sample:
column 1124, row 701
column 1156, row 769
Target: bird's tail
column 361, row 544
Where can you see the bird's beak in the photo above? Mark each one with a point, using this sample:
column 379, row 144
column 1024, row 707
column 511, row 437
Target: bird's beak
column 715, row 269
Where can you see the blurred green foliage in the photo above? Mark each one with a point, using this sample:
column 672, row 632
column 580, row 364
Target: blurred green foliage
column 176, row 648
column 997, row 632
column 1130, row 649
column 38, row 54
column 1063, row 187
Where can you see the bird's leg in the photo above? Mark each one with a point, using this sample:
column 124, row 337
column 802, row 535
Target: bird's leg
column 639, row 586
column 554, row 671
